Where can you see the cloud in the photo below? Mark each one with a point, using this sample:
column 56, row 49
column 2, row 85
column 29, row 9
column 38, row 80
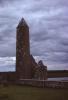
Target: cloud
column 48, row 23
column 7, row 64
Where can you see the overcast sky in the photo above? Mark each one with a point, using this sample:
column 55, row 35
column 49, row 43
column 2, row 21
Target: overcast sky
column 48, row 23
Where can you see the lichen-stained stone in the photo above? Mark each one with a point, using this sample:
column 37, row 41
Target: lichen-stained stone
column 23, row 63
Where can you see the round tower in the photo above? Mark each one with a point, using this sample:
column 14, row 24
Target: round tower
column 23, row 67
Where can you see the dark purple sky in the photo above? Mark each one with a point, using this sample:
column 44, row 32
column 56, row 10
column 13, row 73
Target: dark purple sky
column 48, row 22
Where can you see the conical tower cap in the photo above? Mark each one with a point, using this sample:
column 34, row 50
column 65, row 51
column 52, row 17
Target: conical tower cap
column 22, row 23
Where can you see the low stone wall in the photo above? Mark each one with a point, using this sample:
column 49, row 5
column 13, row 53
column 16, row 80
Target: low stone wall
column 37, row 83
column 43, row 83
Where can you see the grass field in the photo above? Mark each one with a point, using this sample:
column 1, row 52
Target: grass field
column 32, row 93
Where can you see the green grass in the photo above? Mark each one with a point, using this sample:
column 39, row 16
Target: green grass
column 32, row 93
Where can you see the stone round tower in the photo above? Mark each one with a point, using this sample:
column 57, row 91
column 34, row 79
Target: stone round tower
column 23, row 64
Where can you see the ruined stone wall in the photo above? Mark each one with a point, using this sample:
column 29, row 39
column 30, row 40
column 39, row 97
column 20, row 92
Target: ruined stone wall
column 39, row 71
column 43, row 83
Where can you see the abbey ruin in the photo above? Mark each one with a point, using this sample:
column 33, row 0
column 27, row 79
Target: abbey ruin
column 26, row 66
column 28, row 71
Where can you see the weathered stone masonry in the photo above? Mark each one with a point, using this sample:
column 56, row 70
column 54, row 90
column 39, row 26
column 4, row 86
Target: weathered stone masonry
column 26, row 67
column 23, row 63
